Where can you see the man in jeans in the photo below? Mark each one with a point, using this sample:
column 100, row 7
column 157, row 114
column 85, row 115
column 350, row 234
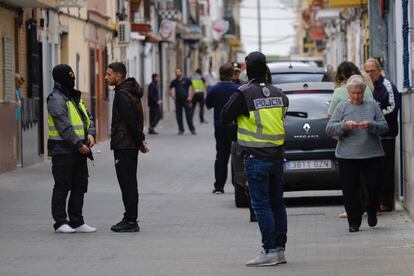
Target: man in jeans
column 260, row 109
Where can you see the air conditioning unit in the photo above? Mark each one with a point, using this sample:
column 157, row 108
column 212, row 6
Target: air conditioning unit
column 124, row 31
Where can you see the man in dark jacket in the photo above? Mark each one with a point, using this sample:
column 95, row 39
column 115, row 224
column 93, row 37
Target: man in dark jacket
column 127, row 138
column 224, row 133
column 389, row 100
column 154, row 103
column 71, row 135
column 260, row 109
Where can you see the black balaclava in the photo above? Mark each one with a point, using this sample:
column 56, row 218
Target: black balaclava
column 256, row 65
column 64, row 75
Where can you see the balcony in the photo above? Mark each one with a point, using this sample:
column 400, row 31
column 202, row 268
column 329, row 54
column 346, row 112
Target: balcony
column 347, row 3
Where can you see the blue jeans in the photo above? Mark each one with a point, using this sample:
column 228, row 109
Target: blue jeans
column 265, row 179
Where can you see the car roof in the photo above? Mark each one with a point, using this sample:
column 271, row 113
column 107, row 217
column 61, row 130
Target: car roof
column 293, row 67
column 295, row 86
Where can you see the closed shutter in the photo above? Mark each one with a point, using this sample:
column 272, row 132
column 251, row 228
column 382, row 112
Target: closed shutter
column 8, row 69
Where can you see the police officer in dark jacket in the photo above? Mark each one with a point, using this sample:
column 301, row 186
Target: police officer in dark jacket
column 260, row 109
column 389, row 100
column 71, row 135
column 127, row 138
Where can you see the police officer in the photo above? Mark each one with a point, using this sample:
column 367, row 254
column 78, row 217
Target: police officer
column 199, row 90
column 260, row 109
column 71, row 135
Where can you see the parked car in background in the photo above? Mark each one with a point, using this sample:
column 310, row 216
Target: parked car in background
column 310, row 162
column 297, row 72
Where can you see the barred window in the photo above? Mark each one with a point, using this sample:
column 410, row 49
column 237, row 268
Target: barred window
column 8, row 75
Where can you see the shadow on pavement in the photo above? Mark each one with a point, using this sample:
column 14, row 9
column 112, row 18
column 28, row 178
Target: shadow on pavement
column 313, row 201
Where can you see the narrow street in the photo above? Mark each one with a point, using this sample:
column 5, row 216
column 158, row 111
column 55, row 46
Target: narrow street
column 185, row 230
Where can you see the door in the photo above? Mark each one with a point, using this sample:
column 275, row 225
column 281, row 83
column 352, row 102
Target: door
column 32, row 109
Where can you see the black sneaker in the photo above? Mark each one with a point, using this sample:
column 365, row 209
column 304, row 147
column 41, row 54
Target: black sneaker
column 193, row 132
column 353, row 228
column 125, row 226
column 372, row 220
column 152, row 132
column 180, row 132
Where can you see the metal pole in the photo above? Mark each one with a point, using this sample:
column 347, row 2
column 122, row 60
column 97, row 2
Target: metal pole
column 259, row 24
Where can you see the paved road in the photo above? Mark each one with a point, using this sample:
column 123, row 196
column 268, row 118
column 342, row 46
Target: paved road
column 185, row 230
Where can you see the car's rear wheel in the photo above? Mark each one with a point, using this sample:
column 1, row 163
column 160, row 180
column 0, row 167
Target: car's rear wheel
column 240, row 197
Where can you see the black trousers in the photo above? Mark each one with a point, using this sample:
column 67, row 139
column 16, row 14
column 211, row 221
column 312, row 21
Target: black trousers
column 126, row 162
column 198, row 99
column 353, row 173
column 387, row 180
column 224, row 136
column 70, row 172
column 155, row 116
column 181, row 105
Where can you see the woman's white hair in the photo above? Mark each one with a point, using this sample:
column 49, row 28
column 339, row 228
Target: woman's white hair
column 356, row 80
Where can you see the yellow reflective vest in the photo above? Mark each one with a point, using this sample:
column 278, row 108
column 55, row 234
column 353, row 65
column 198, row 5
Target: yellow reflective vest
column 267, row 106
column 75, row 121
column 198, row 83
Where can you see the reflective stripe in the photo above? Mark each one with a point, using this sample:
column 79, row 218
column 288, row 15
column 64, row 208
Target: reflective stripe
column 261, row 136
column 258, row 122
column 257, row 144
column 77, row 124
column 73, row 127
column 58, row 138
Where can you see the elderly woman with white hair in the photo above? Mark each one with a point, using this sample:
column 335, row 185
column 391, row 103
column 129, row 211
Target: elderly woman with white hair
column 358, row 122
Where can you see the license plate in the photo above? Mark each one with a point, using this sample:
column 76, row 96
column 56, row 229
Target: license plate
column 308, row 164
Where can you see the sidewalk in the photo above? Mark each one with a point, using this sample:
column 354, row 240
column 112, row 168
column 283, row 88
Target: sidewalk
column 185, row 230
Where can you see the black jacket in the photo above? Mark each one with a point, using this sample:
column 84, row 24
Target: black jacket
column 389, row 105
column 153, row 97
column 127, row 116
column 57, row 108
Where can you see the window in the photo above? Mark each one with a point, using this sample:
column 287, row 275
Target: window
column 8, row 76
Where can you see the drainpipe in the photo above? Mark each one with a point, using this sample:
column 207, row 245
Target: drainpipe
column 406, row 85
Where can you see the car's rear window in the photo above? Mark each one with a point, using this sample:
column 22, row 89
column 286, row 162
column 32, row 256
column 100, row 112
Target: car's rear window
column 309, row 105
column 299, row 77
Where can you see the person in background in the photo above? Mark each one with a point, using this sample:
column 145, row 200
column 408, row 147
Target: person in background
column 198, row 89
column 210, row 78
column 127, row 139
column 359, row 123
column 71, row 137
column 236, row 74
column 389, row 100
column 182, row 100
column 260, row 108
column 217, row 97
column 345, row 70
column 19, row 96
column 154, row 103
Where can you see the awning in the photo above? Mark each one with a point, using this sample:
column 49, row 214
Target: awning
column 151, row 38
column 328, row 14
